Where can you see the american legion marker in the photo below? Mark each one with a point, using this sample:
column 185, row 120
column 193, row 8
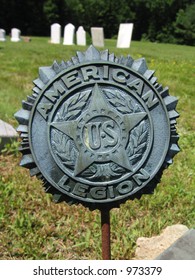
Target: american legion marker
column 98, row 130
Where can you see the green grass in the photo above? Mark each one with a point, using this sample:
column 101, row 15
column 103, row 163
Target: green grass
column 31, row 225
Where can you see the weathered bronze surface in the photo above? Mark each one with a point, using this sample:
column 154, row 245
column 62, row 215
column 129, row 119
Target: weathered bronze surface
column 98, row 130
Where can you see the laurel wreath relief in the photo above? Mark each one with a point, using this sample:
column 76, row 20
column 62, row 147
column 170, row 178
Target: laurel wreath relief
column 66, row 150
column 62, row 145
column 71, row 111
column 121, row 103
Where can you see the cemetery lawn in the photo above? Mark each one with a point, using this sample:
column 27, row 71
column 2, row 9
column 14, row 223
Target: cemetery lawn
column 31, row 225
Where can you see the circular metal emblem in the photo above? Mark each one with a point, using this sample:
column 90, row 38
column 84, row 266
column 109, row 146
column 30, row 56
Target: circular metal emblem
column 98, row 129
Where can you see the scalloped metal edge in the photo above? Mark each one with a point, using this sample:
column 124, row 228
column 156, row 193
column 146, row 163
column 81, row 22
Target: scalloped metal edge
column 49, row 72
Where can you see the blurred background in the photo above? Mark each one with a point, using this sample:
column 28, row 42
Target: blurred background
column 167, row 21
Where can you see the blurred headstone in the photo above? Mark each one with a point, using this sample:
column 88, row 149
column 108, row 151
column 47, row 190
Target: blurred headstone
column 15, row 35
column 69, row 34
column 148, row 248
column 81, row 36
column 7, row 134
column 55, row 33
column 182, row 249
column 124, row 35
column 97, row 34
column 26, row 39
column 2, row 35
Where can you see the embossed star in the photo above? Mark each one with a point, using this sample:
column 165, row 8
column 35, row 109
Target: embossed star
column 98, row 106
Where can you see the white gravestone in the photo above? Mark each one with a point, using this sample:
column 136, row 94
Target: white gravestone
column 2, row 35
column 55, row 33
column 69, row 34
column 81, row 36
column 7, row 134
column 124, row 35
column 15, row 35
column 97, row 34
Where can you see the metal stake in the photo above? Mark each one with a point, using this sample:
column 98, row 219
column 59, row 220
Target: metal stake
column 105, row 224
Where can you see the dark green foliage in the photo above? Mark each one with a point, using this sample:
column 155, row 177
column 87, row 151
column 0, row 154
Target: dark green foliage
column 185, row 26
